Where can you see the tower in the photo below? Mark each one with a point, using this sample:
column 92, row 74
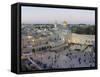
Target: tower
column 55, row 26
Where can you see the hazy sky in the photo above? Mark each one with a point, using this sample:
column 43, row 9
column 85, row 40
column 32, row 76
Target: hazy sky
column 51, row 15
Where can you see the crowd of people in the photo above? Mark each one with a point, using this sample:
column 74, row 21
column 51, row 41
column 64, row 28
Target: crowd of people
column 63, row 59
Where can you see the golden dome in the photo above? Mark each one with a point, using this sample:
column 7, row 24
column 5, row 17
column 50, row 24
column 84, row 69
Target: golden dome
column 65, row 23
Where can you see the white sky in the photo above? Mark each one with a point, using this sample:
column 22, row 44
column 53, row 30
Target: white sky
column 37, row 15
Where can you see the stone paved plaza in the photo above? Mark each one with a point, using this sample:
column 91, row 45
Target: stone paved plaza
column 62, row 59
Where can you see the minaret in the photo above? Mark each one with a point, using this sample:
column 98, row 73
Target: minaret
column 55, row 26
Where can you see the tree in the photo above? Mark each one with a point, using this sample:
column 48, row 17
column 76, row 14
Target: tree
column 83, row 29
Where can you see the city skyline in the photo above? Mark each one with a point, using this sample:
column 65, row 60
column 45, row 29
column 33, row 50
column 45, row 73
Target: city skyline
column 33, row 15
